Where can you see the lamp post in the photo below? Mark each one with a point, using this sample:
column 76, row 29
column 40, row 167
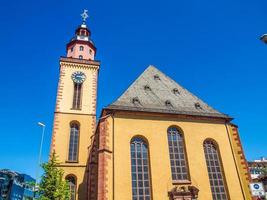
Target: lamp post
column 264, row 38
column 40, row 155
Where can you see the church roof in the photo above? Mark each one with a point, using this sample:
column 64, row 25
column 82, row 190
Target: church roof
column 153, row 91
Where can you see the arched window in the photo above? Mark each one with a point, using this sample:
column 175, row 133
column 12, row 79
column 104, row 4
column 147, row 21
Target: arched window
column 80, row 57
column 72, row 186
column 140, row 170
column 178, row 160
column 216, row 176
column 81, row 48
column 74, row 142
column 76, row 104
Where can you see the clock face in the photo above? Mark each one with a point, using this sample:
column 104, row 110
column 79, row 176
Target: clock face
column 78, row 77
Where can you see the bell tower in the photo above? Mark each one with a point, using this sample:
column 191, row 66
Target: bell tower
column 75, row 112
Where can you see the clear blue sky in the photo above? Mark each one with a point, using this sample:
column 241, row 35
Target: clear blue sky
column 210, row 47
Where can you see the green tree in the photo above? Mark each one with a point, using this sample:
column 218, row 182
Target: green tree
column 264, row 171
column 53, row 186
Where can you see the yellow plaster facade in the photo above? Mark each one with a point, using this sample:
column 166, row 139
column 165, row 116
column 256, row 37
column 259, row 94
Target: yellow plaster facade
column 240, row 159
column 89, row 88
column 102, row 170
column 122, row 127
column 114, row 133
column 85, row 117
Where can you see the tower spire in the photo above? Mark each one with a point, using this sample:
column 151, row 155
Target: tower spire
column 81, row 46
column 84, row 16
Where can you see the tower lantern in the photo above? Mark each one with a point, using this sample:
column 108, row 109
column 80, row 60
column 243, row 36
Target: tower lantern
column 81, row 46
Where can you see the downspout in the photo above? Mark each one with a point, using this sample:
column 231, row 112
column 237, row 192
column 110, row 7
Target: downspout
column 113, row 169
column 239, row 179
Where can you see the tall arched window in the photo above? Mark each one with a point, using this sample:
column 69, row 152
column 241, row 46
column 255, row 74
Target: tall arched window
column 216, row 176
column 76, row 104
column 178, row 160
column 72, row 186
column 74, row 142
column 140, row 170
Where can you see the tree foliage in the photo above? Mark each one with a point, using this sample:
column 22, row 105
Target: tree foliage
column 53, row 186
column 264, row 171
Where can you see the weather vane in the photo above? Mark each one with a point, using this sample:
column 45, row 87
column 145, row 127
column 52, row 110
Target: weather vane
column 84, row 15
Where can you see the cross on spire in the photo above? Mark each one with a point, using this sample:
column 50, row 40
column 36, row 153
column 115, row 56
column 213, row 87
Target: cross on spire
column 84, row 15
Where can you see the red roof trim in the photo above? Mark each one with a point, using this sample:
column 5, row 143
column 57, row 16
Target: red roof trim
column 80, row 42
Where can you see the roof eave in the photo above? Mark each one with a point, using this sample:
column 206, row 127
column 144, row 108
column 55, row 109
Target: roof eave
column 171, row 112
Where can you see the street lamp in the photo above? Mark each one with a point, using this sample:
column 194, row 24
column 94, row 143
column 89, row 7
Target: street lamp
column 264, row 38
column 40, row 153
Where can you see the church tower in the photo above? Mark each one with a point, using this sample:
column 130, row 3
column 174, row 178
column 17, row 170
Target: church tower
column 75, row 112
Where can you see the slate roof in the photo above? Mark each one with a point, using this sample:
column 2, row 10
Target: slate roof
column 153, row 91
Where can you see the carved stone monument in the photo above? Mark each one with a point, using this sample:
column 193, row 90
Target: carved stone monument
column 184, row 193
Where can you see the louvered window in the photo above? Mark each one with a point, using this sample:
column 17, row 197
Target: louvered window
column 76, row 104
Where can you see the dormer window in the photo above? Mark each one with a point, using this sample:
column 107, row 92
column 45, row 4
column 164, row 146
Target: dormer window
column 156, row 77
column 81, row 48
column 175, row 91
column 198, row 106
column 147, row 88
column 168, row 103
column 136, row 101
column 80, row 57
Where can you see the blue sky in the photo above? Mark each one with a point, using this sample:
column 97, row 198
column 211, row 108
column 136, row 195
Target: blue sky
column 210, row 47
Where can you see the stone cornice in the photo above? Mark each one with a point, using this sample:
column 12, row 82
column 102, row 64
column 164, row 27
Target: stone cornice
column 78, row 63
column 73, row 113
column 107, row 111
